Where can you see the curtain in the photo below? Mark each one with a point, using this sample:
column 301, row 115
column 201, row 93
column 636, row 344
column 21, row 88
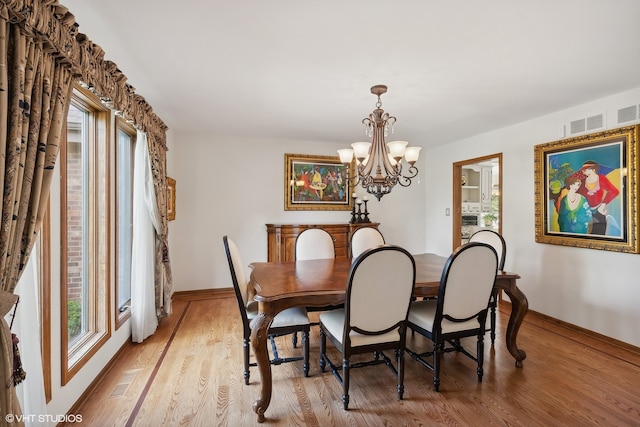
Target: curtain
column 34, row 98
column 163, row 278
column 144, row 317
column 41, row 53
column 26, row 324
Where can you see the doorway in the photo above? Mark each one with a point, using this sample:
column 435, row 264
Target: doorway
column 477, row 196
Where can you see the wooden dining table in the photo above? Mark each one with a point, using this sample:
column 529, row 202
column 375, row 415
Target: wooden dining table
column 323, row 282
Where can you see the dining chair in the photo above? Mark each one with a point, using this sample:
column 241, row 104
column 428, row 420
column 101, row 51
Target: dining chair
column 498, row 243
column 373, row 319
column 461, row 308
column 289, row 321
column 365, row 238
column 314, row 243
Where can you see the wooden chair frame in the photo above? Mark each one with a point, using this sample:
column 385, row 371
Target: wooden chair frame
column 343, row 343
column 440, row 338
column 273, row 331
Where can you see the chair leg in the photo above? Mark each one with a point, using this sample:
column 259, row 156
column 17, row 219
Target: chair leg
column 323, row 349
column 345, row 384
column 480, row 356
column 276, row 357
column 494, row 302
column 245, row 350
column 400, row 362
column 305, row 349
column 437, row 350
column 294, row 339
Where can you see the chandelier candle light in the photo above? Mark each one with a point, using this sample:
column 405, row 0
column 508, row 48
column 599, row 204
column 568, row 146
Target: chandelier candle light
column 378, row 164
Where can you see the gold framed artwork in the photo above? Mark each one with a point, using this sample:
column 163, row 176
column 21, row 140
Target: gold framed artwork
column 586, row 191
column 315, row 183
column 171, row 199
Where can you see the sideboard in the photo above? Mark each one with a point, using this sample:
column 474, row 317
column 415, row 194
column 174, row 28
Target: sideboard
column 281, row 238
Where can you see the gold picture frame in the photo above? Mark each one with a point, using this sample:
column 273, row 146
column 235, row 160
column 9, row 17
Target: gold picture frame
column 171, row 199
column 316, row 183
column 586, row 191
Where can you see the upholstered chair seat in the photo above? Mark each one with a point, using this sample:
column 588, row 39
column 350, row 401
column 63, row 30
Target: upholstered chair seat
column 460, row 311
column 497, row 242
column 374, row 316
column 289, row 321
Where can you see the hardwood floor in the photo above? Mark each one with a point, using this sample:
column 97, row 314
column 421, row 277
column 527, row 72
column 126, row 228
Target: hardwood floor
column 190, row 373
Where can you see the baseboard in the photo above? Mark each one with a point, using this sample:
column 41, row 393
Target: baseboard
column 605, row 340
column 205, row 293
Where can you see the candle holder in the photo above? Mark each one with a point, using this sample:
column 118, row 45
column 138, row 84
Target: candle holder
column 354, row 219
column 365, row 219
column 358, row 216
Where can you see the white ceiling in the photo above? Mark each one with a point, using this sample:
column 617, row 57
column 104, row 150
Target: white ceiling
column 303, row 70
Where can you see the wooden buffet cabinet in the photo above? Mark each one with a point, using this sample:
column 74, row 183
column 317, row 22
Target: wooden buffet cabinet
column 281, row 238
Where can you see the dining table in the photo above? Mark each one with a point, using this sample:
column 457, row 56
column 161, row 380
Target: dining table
column 277, row 286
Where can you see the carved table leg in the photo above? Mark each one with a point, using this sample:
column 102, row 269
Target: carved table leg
column 259, row 338
column 519, row 308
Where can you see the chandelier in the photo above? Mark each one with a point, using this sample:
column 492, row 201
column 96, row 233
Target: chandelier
column 378, row 164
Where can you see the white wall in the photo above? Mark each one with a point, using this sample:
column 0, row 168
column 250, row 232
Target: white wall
column 594, row 289
column 231, row 186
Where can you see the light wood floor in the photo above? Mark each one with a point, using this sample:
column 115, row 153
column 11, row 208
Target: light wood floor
column 190, row 374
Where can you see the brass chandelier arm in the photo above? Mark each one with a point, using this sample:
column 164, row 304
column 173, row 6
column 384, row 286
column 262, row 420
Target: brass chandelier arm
column 405, row 180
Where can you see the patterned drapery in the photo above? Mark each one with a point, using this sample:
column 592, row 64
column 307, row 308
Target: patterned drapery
column 41, row 55
column 56, row 27
column 34, row 97
column 163, row 278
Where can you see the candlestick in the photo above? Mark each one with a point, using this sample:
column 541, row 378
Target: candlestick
column 353, row 208
column 366, row 211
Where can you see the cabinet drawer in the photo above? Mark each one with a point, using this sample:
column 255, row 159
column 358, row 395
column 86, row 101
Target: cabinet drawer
column 340, row 239
column 281, row 238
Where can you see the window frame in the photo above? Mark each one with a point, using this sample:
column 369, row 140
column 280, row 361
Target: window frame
column 99, row 289
column 121, row 315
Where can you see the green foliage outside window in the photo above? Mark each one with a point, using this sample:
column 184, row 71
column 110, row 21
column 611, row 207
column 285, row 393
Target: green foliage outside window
column 74, row 319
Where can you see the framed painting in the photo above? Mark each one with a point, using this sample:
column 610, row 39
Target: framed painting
column 586, row 191
column 315, row 183
column 171, row 199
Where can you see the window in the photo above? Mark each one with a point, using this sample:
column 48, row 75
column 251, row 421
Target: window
column 125, row 147
column 84, row 232
column 77, row 217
